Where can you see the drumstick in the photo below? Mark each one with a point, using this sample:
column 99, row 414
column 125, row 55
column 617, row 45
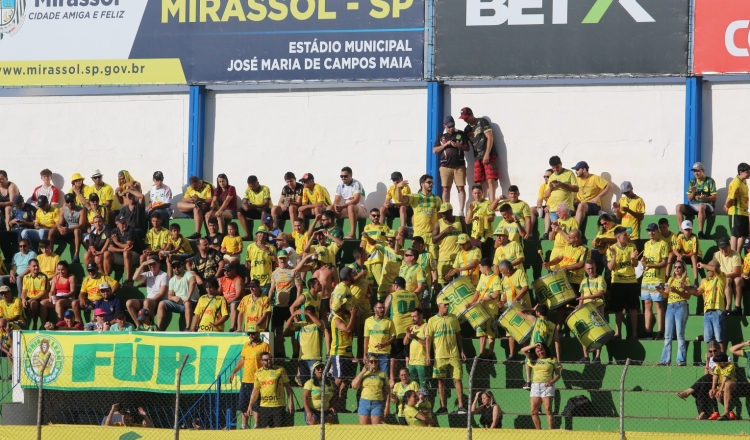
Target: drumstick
column 541, row 255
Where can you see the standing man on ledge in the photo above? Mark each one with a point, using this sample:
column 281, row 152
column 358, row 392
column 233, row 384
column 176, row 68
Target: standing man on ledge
column 736, row 207
column 482, row 141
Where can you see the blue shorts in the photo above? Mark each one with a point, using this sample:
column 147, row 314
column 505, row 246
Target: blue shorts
column 713, row 325
column 173, row 307
column 370, row 408
column 343, row 367
column 649, row 292
column 234, row 213
column 592, row 208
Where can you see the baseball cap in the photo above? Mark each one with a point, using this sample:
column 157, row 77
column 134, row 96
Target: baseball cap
column 501, row 231
column 253, row 282
column 4, row 289
column 463, row 238
column 229, row 266
column 251, row 329
column 42, row 201
column 400, row 282
column 97, row 173
column 158, row 175
column 449, row 121
column 100, row 312
column 396, row 175
column 747, row 243
column 443, row 300
column 76, row 176
column 69, row 314
column 581, row 164
column 686, row 224
column 262, row 229
column 17, row 199
column 318, row 364
column 94, row 197
column 626, row 186
column 305, row 177
column 142, row 314
column 712, row 265
column 422, row 391
column 267, row 218
column 465, row 113
column 445, row 207
column 104, row 286
column 652, row 227
column 282, row 254
column 345, row 272
column 121, row 219
column 698, row 166
column 722, row 242
column 92, row 266
column 70, row 198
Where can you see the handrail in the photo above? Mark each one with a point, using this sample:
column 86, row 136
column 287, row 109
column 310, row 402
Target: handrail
column 209, row 390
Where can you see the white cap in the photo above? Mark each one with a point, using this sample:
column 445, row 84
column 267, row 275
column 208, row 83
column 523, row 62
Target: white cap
column 686, row 224
column 104, row 285
column 97, row 173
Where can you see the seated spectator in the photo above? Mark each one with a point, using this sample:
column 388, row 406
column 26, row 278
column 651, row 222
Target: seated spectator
column 121, row 324
column 211, row 310
column 731, row 266
column 98, row 242
column 315, row 198
column 746, row 262
column 156, row 238
column 181, row 295
column 123, row 248
column 8, row 191
column 266, row 221
column 45, row 222
column 72, row 221
column 157, row 283
column 6, row 339
column 94, row 208
column 135, row 214
column 591, row 189
column 736, row 206
column 714, row 302
column 206, row 263
column 177, row 245
column 20, row 217
column 159, row 198
column 108, row 303
column 723, row 385
column 231, row 245
column 145, row 324
column 707, row 407
column 12, row 309
column 126, row 183
column 104, row 192
column 490, row 414
column 390, row 208
column 196, row 202
column 290, row 201
column 20, row 265
column 35, row 291
column 232, row 286
column 312, row 396
column 224, row 202
column 701, row 195
column 257, row 199
column 126, row 417
column 62, row 289
column 99, row 324
column 69, row 322
column 78, row 188
column 46, row 189
column 47, row 260
column 451, row 145
column 91, row 290
column 214, row 237
column 687, row 248
column 349, row 201
column 255, row 310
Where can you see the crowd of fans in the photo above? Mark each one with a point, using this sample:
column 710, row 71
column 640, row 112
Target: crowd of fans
column 294, row 283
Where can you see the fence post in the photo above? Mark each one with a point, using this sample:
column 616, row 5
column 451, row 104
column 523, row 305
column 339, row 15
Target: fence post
column 622, row 399
column 177, row 400
column 217, row 402
column 40, row 402
column 468, row 406
column 323, row 399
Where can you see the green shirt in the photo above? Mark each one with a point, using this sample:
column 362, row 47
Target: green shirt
column 705, row 189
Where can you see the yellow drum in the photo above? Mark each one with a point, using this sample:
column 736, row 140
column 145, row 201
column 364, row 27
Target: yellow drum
column 589, row 327
column 514, row 323
column 459, row 293
column 476, row 315
column 554, row 290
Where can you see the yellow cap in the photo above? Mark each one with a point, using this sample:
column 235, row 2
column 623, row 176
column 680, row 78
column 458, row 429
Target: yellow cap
column 76, row 176
column 445, row 207
column 463, row 238
column 391, row 234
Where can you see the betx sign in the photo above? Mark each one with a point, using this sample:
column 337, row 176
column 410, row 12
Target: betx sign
column 496, row 12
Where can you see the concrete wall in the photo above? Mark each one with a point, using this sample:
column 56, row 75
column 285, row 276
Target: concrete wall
column 68, row 134
column 628, row 132
column 268, row 133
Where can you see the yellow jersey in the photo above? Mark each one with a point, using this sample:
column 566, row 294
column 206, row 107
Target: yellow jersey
column 360, row 289
column 572, row 255
column 49, row 218
column 309, row 341
column 512, row 285
column 713, row 292
column 377, row 233
column 670, row 240
column 543, row 369
column 624, row 272
column 251, row 357
column 464, row 258
column 300, row 241
column 746, row 264
column 373, row 383
column 232, row 245
column 566, row 226
column 729, row 262
column 444, row 330
column 417, row 354
column 738, row 193
column 425, row 212
column 391, row 193
column 511, row 252
column 91, row 286
column 481, row 226
column 400, row 389
column 428, row 265
column 271, row 383
column 629, row 222
column 105, row 193
column 413, row 275
column 379, row 331
column 592, row 286
column 391, row 264
column 449, row 244
column 341, row 341
column 260, row 197
column 317, row 195
column 542, row 190
column 210, row 309
column 520, row 209
column 253, row 310
column 34, row 286
column 688, row 246
column 487, row 286
column 727, row 372
column 48, row 265
column 561, row 195
column 261, row 264
column 676, row 283
column 340, row 292
column 204, row 192
column 15, row 308
column 410, row 414
column 157, row 239
column 316, row 395
column 511, row 228
column 543, row 332
column 180, row 244
column 101, row 211
column 403, row 302
column 589, row 188
column 655, row 253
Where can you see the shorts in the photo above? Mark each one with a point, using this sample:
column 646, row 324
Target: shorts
column 232, row 213
column 739, row 225
column 173, row 307
column 449, row 175
column 624, row 296
column 593, row 208
column 399, row 350
column 343, row 367
column 649, row 292
column 316, row 416
column 360, row 210
column 394, row 212
column 540, row 389
column 273, row 417
column 448, row 368
column 246, row 390
column 118, row 258
column 486, row 171
column 423, row 373
column 251, row 213
column 713, row 325
column 370, row 408
column 488, row 329
column 279, row 315
column 694, row 207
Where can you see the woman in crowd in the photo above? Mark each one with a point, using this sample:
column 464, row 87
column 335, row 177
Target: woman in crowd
column 677, row 314
column 312, row 397
column 125, row 182
column 62, row 289
column 224, row 203
column 546, row 371
column 604, row 239
column 706, row 406
column 373, row 404
column 412, row 414
column 490, row 414
column 400, row 389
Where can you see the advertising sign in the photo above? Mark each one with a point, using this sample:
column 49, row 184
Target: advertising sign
column 722, row 36
column 99, row 42
column 137, row 361
column 499, row 38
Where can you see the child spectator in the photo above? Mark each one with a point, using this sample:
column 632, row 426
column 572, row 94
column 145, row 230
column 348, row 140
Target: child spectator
column 231, row 245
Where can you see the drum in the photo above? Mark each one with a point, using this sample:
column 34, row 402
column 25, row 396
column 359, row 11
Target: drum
column 476, row 315
column 514, row 323
column 589, row 326
column 459, row 293
column 554, row 290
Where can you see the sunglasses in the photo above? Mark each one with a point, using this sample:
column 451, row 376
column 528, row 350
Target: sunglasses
column 266, row 360
column 429, row 182
column 408, row 255
column 375, row 215
column 712, row 351
column 372, row 361
column 344, row 176
column 546, row 177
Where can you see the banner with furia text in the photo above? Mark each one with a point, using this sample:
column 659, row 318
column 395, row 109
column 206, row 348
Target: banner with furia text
column 137, row 361
column 134, row 42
